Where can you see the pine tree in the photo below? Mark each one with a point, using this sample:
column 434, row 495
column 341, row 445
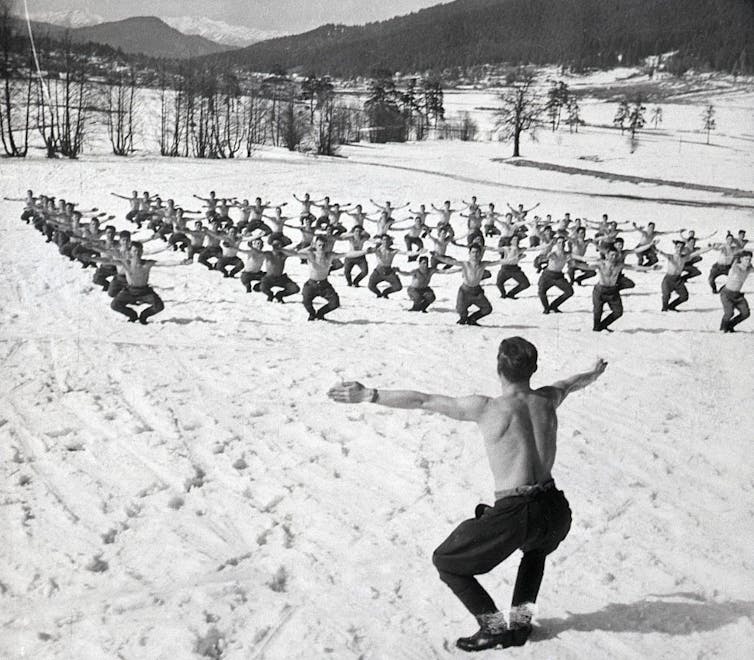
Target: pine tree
column 621, row 116
column 709, row 120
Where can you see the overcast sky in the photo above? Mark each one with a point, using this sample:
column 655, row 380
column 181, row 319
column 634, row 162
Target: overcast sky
column 289, row 16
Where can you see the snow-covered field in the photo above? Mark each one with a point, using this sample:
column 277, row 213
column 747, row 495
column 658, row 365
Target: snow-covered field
column 186, row 489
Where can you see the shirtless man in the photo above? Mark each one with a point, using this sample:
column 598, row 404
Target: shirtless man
column 520, row 213
column 358, row 216
column 491, row 217
column 510, row 256
column 474, row 227
column 137, row 291
column 445, row 213
column 419, row 291
column 212, row 249
column 553, row 276
column 210, row 204
column 731, row 296
column 275, row 276
column 385, row 272
column 105, row 271
column 728, row 251
column 673, row 281
column 519, row 430
column 607, row 291
column 578, row 244
column 178, row 239
column 252, row 270
column 278, row 227
column 648, row 234
column 320, row 261
column 470, row 292
column 306, row 207
column 229, row 257
column 357, row 238
column 133, row 200
column 388, row 207
column 413, row 238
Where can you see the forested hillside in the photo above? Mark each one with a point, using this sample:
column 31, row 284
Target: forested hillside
column 718, row 34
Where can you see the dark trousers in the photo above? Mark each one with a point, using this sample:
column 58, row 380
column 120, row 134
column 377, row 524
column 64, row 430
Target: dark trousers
column 349, row 264
column 207, row 253
column 413, row 244
column 715, row 272
column 468, row 296
column 286, row 285
column 732, row 301
column 535, row 523
column 193, row 250
column 515, row 273
column 625, row 283
column 102, row 274
column 319, row 289
column 549, row 279
column 648, row 257
column 585, row 271
column 422, row 298
column 132, row 295
column 610, row 296
column 116, row 284
column 673, row 284
column 690, row 270
column 384, row 274
column 249, row 276
column 179, row 240
column 235, row 263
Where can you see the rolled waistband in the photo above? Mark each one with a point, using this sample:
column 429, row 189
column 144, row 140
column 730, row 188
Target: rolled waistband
column 529, row 489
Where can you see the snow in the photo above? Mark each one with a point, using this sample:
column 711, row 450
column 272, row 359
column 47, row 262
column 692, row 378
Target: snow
column 186, row 489
column 219, row 31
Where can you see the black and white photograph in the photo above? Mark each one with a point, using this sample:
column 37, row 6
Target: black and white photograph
column 400, row 330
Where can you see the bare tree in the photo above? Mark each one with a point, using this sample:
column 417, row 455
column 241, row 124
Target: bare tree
column 520, row 111
column 255, row 112
column 72, row 99
column 17, row 92
column 468, row 128
column 656, row 118
column 293, row 125
column 120, row 96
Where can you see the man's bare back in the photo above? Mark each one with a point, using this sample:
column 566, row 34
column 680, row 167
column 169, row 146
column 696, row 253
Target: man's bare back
column 519, row 429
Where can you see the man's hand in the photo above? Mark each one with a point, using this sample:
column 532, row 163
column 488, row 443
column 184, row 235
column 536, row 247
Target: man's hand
column 350, row 392
column 600, row 366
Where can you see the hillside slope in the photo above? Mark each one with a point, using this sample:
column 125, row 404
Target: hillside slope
column 467, row 32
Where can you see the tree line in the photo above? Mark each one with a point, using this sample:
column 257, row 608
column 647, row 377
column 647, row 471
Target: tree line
column 716, row 34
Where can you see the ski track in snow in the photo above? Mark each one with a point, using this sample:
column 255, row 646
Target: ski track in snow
column 186, row 489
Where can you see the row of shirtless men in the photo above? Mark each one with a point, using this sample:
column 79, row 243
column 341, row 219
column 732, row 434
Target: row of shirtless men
column 562, row 257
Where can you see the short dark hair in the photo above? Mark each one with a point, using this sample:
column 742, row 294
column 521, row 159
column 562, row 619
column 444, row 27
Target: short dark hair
column 516, row 359
column 745, row 253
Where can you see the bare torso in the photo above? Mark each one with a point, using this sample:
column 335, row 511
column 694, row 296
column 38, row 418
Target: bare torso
column 519, row 431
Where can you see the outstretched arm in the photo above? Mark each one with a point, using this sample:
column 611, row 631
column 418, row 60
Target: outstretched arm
column 562, row 388
column 465, row 409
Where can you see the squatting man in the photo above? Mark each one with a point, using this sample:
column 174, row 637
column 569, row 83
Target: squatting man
column 519, row 429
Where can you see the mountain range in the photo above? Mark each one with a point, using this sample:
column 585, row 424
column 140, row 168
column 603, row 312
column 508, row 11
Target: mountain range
column 146, row 35
column 718, row 34
column 218, row 31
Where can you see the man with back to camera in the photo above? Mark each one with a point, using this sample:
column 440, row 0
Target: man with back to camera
column 519, row 429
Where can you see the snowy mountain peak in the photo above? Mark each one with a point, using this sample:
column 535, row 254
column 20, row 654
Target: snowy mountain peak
column 73, row 19
column 218, row 31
